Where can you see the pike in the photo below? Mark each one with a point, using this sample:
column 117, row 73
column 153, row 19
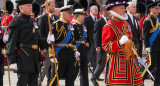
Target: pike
column 6, row 42
column 52, row 46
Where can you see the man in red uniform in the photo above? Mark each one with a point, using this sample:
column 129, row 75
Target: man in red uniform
column 9, row 8
column 122, row 71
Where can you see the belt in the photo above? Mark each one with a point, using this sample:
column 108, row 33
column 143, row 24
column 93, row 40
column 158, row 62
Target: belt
column 29, row 46
column 82, row 42
column 65, row 45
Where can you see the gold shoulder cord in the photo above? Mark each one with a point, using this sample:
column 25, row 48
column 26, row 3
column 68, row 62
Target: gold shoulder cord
column 60, row 31
column 154, row 27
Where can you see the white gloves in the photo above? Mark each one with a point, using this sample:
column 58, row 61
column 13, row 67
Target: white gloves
column 123, row 39
column 4, row 52
column 5, row 38
column 50, row 38
column 13, row 66
column 52, row 60
column 148, row 49
column 77, row 54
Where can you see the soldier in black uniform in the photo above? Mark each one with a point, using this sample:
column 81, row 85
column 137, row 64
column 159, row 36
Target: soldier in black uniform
column 152, row 41
column 23, row 45
column 64, row 46
column 2, row 45
column 80, row 32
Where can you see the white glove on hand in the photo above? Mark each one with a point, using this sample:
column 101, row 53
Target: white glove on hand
column 77, row 54
column 148, row 49
column 5, row 38
column 4, row 52
column 52, row 60
column 123, row 39
column 50, row 38
column 13, row 66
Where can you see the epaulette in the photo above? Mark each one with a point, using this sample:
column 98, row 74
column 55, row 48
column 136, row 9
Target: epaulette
column 15, row 22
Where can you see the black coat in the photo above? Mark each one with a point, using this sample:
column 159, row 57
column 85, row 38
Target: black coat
column 43, row 24
column 89, row 23
column 21, row 31
column 98, row 26
column 2, row 45
column 136, row 33
column 147, row 34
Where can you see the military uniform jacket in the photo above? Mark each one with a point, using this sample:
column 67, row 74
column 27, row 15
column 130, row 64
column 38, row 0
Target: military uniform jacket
column 121, row 71
column 149, row 30
column 78, row 32
column 22, row 31
column 60, row 29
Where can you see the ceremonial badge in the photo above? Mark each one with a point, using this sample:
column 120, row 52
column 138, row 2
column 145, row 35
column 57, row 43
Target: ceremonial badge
column 35, row 26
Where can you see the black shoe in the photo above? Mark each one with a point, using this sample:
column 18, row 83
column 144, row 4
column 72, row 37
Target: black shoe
column 99, row 79
column 95, row 83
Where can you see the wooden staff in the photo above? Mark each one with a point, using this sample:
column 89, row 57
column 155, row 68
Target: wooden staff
column 52, row 46
column 6, row 33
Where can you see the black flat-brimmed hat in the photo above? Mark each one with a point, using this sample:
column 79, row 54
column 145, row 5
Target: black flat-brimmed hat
column 113, row 3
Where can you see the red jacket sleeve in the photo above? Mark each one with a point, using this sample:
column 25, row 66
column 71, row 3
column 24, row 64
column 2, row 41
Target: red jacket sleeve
column 109, row 39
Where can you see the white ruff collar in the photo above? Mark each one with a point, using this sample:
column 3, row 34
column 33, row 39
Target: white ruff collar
column 125, row 17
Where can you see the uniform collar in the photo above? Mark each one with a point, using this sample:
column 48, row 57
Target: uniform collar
column 25, row 16
column 64, row 21
column 155, row 16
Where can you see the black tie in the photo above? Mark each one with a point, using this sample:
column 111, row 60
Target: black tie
column 95, row 19
column 52, row 17
column 134, row 22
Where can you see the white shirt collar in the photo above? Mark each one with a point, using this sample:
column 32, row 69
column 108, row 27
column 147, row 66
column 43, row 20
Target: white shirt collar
column 131, row 16
column 93, row 16
column 50, row 14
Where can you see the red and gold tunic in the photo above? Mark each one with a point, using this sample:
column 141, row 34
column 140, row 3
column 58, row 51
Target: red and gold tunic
column 9, row 18
column 121, row 72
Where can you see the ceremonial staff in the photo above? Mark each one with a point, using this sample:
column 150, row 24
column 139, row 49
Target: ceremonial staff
column 6, row 42
column 52, row 46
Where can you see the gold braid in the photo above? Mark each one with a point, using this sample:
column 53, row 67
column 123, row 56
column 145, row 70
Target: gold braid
column 60, row 31
column 154, row 27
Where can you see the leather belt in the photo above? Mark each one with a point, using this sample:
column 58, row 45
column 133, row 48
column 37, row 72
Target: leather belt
column 29, row 46
column 82, row 42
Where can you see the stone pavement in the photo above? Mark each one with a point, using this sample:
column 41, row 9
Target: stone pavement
column 14, row 80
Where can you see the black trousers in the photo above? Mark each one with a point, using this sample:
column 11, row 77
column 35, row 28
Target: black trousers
column 91, row 55
column 1, row 74
column 101, row 58
column 83, row 67
column 155, row 63
column 27, row 79
column 65, row 66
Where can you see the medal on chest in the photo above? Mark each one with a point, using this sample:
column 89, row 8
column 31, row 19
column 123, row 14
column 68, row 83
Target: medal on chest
column 35, row 26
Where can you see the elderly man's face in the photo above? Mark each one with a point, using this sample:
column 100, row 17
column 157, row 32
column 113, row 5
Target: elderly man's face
column 26, row 9
column 121, row 10
column 94, row 10
column 132, row 8
column 67, row 16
